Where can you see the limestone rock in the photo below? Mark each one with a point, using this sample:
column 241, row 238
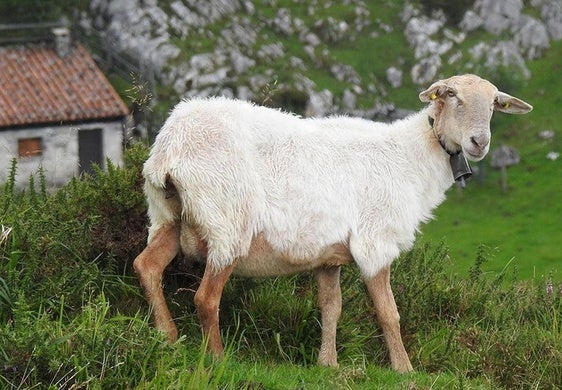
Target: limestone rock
column 320, row 104
column 394, row 77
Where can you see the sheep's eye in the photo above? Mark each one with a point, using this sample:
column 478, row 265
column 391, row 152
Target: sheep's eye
column 450, row 93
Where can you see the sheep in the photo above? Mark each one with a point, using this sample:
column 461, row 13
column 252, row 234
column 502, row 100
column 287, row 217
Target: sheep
column 256, row 192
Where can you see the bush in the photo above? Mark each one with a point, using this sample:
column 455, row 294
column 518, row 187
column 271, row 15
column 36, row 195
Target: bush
column 64, row 244
column 69, row 309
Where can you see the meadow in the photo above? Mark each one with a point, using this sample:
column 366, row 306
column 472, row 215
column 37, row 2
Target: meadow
column 480, row 295
column 72, row 314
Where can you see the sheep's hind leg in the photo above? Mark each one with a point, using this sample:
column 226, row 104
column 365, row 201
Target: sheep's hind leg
column 330, row 302
column 389, row 319
column 207, row 301
column 149, row 266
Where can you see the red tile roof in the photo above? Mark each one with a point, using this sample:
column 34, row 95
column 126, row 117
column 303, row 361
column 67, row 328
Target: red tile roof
column 38, row 87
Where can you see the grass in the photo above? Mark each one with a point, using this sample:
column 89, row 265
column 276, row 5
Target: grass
column 476, row 311
column 85, row 323
column 522, row 223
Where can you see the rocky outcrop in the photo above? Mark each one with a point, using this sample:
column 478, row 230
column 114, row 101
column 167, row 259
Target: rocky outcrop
column 527, row 37
column 230, row 47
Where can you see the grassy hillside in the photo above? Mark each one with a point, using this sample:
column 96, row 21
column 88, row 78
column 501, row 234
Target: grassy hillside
column 72, row 314
column 523, row 224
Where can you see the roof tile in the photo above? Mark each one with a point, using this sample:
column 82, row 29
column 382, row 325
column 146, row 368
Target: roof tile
column 37, row 86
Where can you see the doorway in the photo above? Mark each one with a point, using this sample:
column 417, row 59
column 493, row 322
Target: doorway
column 90, row 150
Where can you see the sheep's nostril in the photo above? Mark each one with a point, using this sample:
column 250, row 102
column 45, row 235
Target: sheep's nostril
column 479, row 141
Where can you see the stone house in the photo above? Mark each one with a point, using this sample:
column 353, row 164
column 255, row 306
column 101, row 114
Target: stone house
column 57, row 111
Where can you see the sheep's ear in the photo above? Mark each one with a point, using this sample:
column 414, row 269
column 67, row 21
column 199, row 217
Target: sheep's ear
column 436, row 90
column 510, row 105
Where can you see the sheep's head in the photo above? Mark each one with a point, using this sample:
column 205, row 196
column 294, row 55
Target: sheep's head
column 462, row 108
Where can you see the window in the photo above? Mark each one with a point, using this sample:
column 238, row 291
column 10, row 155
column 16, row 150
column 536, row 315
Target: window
column 28, row 147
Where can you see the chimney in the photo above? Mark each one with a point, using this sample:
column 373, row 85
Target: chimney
column 62, row 40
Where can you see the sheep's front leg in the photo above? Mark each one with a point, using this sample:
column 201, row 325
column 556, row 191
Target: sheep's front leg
column 149, row 266
column 207, row 301
column 389, row 319
column 329, row 300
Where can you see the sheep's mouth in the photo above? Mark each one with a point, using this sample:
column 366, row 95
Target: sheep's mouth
column 474, row 156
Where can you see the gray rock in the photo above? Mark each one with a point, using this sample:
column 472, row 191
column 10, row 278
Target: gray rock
column 320, row 104
column 240, row 63
column 471, row 21
column 297, row 63
column 426, row 70
column 244, row 93
column 345, row 73
column 271, row 51
column 394, row 77
column 499, row 16
column 531, row 36
column 503, row 53
column 551, row 14
column 311, row 39
column 282, row 22
column 349, row 100
column 421, row 27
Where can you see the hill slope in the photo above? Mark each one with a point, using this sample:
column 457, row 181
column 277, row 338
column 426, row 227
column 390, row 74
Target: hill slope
column 367, row 58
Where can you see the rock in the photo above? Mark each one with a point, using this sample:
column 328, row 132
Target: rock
column 394, row 77
column 297, row 63
column 319, row 104
column 421, row 27
column 551, row 14
column 552, row 156
column 546, row 135
column 499, row 16
column 345, row 73
column 426, row 70
column 282, row 22
column 271, row 51
column 471, row 21
column 349, row 100
column 244, row 93
column 240, row 63
column 531, row 36
column 503, row 53
column 311, row 39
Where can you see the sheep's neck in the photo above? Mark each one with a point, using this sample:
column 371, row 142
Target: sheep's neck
column 459, row 165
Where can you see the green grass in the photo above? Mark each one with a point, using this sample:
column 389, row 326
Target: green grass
column 475, row 311
column 524, row 223
column 85, row 323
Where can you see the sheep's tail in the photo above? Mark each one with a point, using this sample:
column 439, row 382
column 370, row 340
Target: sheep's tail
column 164, row 205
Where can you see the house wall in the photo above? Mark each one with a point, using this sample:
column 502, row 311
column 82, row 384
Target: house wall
column 59, row 155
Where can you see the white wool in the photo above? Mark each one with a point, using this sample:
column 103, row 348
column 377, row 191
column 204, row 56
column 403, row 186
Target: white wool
column 305, row 184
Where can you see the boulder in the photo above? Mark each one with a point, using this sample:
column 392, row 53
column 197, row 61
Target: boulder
column 394, row 77
column 499, row 16
column 320, row 104
column 531, row 36
column 426, row 70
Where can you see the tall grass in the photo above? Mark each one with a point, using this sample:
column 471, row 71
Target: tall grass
column 72, row 314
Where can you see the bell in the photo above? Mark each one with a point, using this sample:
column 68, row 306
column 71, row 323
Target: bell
column 460, row 167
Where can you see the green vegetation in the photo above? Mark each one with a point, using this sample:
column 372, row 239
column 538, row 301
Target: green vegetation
column 524, row 223
column 483, row 309
column 72, row 314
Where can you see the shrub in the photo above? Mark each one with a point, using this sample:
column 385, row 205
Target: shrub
column 69, row 310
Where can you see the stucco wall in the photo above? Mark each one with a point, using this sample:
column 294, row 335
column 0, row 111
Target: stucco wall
column 59, row 157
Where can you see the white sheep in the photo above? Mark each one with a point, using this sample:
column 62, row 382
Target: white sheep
column 259, row 192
